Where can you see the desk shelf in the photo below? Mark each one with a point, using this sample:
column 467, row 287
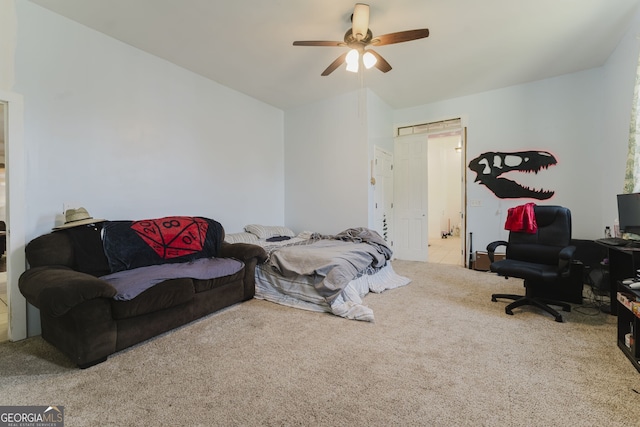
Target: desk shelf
column 623, row 263
column 629, row 323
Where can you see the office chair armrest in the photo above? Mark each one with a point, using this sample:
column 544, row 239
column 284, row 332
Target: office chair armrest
column 565, row 258
column 491, row 247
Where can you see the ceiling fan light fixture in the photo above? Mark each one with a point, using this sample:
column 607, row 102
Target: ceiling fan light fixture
column 352, row 60
column 358, row 38
column 369, row 60
column 360, row 21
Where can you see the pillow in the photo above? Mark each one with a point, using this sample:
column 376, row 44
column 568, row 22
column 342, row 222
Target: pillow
column 305, row 234
column 266, row 231
column 240, row 238
column 88, row 253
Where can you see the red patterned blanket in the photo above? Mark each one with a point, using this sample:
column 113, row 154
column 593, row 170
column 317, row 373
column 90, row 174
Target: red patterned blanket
column 173, row 239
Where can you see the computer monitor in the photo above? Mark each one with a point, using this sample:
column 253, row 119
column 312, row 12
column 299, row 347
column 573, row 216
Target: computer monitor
column 629, row 213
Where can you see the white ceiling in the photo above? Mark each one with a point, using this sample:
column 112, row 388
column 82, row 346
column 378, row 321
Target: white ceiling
column 474, row 45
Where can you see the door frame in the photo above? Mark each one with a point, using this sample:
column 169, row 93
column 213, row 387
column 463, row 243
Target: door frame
column 424, row 128
column 16, row 211
column 466, row 259
column 381, row 189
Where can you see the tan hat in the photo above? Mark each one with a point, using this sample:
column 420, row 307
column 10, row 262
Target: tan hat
column 76, row 217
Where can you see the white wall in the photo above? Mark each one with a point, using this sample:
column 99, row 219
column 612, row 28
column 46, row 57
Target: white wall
column 329, row 149
column 129, row 136
column 7, row 43
column 562, row 115
column 326, row 165
column 582, row 118
column 123, row 133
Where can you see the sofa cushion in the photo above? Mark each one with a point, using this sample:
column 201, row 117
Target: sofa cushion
column 209, row 284
column 87, row 249
column 161, row 296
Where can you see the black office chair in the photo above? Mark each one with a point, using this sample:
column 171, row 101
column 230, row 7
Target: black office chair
column 544, row 260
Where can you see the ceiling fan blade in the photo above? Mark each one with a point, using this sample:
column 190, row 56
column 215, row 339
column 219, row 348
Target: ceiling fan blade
column 318, row 43
column 335, row 64
column 381, row 63
column 402, row 36
column 360, row 21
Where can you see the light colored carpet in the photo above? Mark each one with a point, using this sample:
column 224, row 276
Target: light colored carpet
column 440, row 353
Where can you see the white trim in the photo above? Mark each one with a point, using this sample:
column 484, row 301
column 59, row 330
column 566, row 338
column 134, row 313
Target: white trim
column 16, row 212
column 442, row 126
column 378, row 152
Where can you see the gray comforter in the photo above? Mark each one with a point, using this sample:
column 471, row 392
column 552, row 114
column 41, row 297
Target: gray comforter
column 333, row 260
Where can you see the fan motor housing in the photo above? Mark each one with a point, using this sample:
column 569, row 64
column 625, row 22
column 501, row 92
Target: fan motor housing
column 350, row 40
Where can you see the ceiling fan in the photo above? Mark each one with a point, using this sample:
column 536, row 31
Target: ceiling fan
column 358, row 37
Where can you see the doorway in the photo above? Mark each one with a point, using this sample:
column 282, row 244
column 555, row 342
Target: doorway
column 445, row 211
column 4, row 301
column 431, row 185
column 15, row 212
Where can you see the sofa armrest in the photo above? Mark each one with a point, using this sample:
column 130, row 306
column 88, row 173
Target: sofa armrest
column 57, row 289
column 243, row 252
column 251, row 255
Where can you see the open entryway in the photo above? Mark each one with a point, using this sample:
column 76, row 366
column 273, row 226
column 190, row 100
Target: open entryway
column 14, row 203
column 4, row 301
column 445, row 202
column 430, row 192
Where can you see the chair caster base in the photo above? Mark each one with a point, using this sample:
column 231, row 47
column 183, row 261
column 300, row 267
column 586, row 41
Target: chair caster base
column 541, row 303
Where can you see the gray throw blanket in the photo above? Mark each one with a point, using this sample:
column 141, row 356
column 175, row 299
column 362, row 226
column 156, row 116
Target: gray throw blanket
column 335, row 260
column 131, row 283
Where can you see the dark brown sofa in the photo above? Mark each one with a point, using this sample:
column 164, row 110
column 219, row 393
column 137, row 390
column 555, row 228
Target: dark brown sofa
column 80, row 317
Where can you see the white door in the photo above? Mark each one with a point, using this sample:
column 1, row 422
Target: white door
column 383, row 193
column 410, row 191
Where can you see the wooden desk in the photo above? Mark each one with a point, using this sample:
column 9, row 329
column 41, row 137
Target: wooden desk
column 623, row 263
column 628, row 324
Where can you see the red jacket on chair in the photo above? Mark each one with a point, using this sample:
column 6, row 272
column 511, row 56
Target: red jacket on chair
column 522, row 218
